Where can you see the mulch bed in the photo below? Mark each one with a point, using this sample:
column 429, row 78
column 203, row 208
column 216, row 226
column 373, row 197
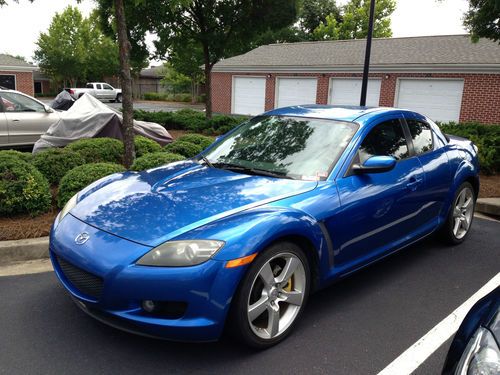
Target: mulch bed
column 25, row 226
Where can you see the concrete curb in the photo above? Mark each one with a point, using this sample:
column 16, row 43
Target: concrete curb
column 489, row 206
column 21, row 250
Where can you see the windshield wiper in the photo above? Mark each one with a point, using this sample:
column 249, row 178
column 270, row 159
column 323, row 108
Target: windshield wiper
column 207, row 162
column 255, row 171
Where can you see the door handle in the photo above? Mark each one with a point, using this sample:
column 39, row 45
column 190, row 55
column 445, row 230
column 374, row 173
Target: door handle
column 15, row 120
column 413, row 184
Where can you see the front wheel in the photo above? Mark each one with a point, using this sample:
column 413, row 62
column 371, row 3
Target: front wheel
column 272, row 296
column 459, row 221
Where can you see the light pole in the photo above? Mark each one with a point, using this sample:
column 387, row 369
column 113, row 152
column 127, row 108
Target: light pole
column 364, row 85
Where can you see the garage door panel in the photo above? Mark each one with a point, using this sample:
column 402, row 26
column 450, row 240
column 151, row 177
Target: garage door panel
column 296, row 91
column 347, row 91
column 249, row 95
column 440, row 100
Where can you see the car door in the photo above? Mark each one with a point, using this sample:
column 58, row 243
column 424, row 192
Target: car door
column 4, row 130
column 26, row 118
column 109, row 92
column 379, row 210
column 432, row 155
column 99, row 92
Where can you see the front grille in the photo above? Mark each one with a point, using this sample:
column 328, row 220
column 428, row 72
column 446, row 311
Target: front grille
column 84, row 281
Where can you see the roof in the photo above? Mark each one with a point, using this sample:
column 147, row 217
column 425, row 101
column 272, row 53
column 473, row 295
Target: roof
column 8, row 62
column 452, row 52
column 153, row 72
column 330, row 112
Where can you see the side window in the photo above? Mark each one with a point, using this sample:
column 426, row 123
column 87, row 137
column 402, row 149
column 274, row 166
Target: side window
column 13, row 102
column 387, row 139
column 98, row 87
column 421, row 134
column 89, row 86
column 107, row 87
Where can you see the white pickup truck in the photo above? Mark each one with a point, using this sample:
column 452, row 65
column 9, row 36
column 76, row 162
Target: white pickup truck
column 99, row 90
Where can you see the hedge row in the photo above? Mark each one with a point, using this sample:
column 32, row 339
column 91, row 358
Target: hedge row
column 183, row 97
column 486, row 138
column 25, row 179
column 191, row 120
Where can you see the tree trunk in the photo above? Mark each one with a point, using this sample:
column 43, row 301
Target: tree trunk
column 126, row 83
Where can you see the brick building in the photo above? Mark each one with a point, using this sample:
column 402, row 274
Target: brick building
column 17, row 74
column 448, row 78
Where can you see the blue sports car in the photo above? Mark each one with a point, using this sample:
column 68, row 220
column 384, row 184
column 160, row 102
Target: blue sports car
column 287, row 203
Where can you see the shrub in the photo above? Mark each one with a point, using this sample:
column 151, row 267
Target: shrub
column 198, row 139
column 24, row 156
column 145, row 145
column 23, row 189
column 99, row 150
column 486, row 138
column 154, row 96
column 184, row 148
column 155, row 159
column 82, row 176
column 54, row 163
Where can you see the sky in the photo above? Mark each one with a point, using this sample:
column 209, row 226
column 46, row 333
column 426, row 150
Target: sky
column 21, row 23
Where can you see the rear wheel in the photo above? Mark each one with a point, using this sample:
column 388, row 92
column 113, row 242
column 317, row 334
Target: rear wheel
column 119, row 98
column 272, row 296
column 457, row 226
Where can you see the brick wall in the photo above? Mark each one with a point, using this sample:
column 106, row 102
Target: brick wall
column 480, row 100
column 24, row 81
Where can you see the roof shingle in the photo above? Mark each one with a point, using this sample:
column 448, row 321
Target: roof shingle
column 10, row 61
column 428, row 50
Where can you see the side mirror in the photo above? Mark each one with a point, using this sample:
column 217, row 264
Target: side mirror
column 375, row 164
column 48, row 109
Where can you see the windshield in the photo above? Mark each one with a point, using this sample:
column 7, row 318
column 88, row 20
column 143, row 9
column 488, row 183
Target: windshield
column 291, row 147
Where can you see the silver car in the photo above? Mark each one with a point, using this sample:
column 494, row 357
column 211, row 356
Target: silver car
column 23, row 119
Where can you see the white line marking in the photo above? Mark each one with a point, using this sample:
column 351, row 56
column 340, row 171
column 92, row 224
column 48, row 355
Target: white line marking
column 416, row 354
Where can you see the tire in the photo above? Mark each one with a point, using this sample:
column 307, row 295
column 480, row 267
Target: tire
column 255, row 326
column 79, row 96
column 459, row 221
column 118, row 98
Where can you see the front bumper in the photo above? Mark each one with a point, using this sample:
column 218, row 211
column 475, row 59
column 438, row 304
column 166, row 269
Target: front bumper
column 206, row 289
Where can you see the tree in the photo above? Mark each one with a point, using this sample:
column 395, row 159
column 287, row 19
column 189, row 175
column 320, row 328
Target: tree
column 315, row 12
column 74, row 49
column 482, row 19
column 354, row 21
column 221, row 28
column 176, row 81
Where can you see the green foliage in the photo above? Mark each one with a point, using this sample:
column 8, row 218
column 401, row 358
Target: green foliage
column 145, row 145
column 54, row 163
column 190, row 120
column 175, row 81
column 24, row 156
column 197, row 139
column 485, row 137
column 97, row 150
column 75, row 49
column 184, row 97
column 23, row 189
column 183, row 148
column 82, row 176
column 155, row 159
column 315, row 12
column 353, row 23
column 482, row 19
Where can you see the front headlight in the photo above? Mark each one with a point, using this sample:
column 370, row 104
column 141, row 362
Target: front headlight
column 181, row 253
column 481, row 356
column 68, row 206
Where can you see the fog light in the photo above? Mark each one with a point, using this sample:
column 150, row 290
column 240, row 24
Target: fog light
column 148, row 305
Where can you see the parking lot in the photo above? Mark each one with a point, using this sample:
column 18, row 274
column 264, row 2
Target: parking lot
column 357, row 326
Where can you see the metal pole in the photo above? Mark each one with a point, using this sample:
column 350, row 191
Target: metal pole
column 364, row 85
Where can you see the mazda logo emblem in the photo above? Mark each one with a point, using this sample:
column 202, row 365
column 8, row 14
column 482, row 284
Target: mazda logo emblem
column 82, row 238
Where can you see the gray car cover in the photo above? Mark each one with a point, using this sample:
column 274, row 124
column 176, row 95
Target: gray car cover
column 89, row 118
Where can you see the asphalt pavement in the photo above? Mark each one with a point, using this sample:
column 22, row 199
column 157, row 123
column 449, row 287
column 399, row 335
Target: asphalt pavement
column 146, row 105
column 357, row 326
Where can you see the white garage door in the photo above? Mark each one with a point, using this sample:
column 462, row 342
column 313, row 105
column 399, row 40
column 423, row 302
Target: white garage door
column 249, row 94
column 348, row 91
column 295, row 91
column 440, row 100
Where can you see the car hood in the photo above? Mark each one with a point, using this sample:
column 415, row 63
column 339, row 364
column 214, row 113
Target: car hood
column 154, row 206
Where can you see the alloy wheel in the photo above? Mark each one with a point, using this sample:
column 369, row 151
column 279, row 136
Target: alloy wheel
column 462, row 212
column 276, row 295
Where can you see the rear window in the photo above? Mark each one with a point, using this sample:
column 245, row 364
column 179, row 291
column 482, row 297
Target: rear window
column 421, row 134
